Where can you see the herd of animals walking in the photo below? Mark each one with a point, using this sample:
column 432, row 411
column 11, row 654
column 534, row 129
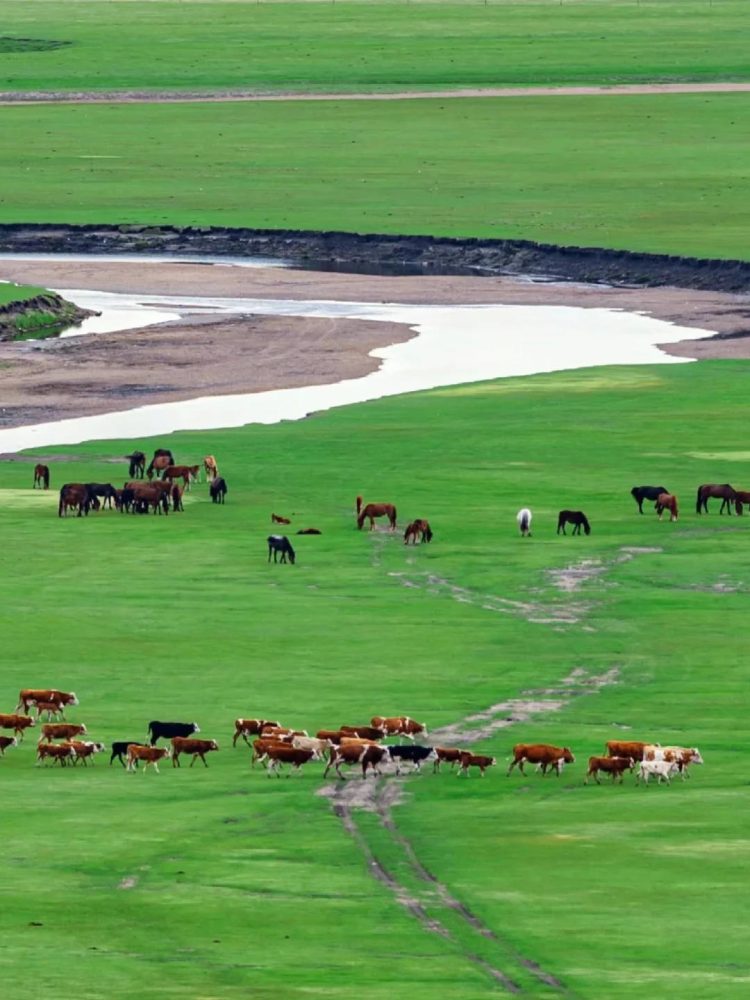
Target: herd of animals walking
column 275, row 746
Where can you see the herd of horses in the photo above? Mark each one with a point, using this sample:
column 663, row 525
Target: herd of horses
column 664, row 500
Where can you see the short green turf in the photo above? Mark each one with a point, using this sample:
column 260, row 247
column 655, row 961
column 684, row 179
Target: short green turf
column 221, row 882
column 362, row 46
column 11, row 292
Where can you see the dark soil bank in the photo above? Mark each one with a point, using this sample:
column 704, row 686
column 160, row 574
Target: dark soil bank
column 387, row 254
column 37, row 316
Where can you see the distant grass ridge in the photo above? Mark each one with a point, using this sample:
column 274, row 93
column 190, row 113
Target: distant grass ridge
column 30, row 313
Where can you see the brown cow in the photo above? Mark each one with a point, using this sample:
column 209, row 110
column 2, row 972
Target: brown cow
column 367, row 756
column 187, row 473
column 196, row 748
column 332, row 735
column 610, row 765
column 468, row 759
column 399, row 725
column 62, row 731
column 541, row 753
column 263, row 745
column 625, row 748
column 149, row 755
column 5, row 742
column 30, row 696
column 364, row 732
column 250, row 727
column 83, row 750
column 281, row 754
column 56, row 752
column 449, row 755
column 17, row 723
column 51, row 708
column 282, row 732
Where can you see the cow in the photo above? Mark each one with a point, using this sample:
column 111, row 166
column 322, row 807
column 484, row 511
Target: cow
column 251, row 727
column 625, row 748
column 59, row 753
column 469, row 759
column 17, row 723
column 187, row 473
column 449, row 755
column 195, row 748
column 311, row 743
column 218, row 490
column 663, row 769
column 62, row 731
column 610, row 765
column 84, row 750
column 348, row 741
column 149, row 755
column 282, row 733
column 30, row 696
column 5, row 742
column 682, row 756
column 399, row 725
column 74, row 496
column 120, row 749
column 282, row 754
column 541, row 753
column 166, row 730
column 51, row 708
column 411, row 753
column 262, row 745
column 332, row 735
column 363, row 732
column 367, row 756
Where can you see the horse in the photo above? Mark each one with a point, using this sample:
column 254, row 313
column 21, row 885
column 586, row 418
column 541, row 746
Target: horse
column 421, row 528
column 358, row 504
column 176, row 494
column 137, row 465
column 725, row 491
column 309, row 531
column 218, row 489
column 104, row 490
column 278, row 519
column 212, row 470
column 667, row 501
column 74, row 495
column 187, row 473
column 641, row 493
column 373, row 510
column 41, row 477
column 574, row 517
column 740, row 498
column 280, row 543
column 523, row 518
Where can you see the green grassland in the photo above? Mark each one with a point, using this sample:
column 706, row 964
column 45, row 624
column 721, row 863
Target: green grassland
column 656, row 173
column 11, row 292
column 354, row 46
column 241, row 885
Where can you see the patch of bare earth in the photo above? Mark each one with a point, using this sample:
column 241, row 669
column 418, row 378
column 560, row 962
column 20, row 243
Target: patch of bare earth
column 571, row 578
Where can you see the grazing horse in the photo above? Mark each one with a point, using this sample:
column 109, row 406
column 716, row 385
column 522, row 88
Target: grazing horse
column 574, row 517
column 74, row 495
column 41, row 477
column 420, row 528
column 218, row 489
column 137, row 465
column 641, row 493
column 159, row 454
column 176, row 494
column 187, row 473
column 740, row 498
column 104, row 490
column 310, row 531
column 667, row 501
column 278, row 519
column 212, row 470
column 523, row 517
column 280, row 543
column 373, row 510
column 725, row 491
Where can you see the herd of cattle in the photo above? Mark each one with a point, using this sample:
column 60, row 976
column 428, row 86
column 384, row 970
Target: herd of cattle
column 364, row 746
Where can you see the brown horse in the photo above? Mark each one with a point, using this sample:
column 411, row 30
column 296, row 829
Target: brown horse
column 187, row 473
column 419, row 528
column 359, row 505
column 74, row 495
column 724, row 491
column 667, row 501
column 373, row 510
column 41, row 477
column 160, row 453
column 278, row 519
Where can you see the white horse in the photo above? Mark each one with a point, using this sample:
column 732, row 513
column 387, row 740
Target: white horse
column 524, row 522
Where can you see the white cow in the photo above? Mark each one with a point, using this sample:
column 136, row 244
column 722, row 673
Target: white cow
column 662, row 769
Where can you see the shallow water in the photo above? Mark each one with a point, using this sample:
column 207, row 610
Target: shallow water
column 454, row 344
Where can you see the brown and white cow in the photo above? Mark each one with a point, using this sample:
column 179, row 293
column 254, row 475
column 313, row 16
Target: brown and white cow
column 17, row 723
column 83, row 750
column 610, row 765
column 543, row 754
column 62, row 731
column 30, row 696
column 281, row 733
column 60, row 753
column 333, row 736
column 192, row 747
column 286, row 754
column 399, row 725
column 682, row 756
column 5, row 742
column 261, row 746
column 250, row 727
column 368, row 756
column 468, row 760
column 625, row 748
column 147, row 755
column 448, row 755
column 363, row 732
column 51, row 708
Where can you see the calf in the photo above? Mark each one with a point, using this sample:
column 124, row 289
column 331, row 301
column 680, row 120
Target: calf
column 449, row 755
column 5, row 742
column 540, row 753
column 281, row 754
column 56, row 752
column 363, row 732
column 250, row 727
column 84, row 750
column 17, row 723
column 30, row 696
column 411, row 753
column 149, row 755
column 399, row 725
column 195, row 748
column 662, row 769
column 120, row 749
column 367, row 756
column 468, row 760
column 166, row 730
column 62, row 731
column 51, row 708
column 311, row 743
column 610, row 765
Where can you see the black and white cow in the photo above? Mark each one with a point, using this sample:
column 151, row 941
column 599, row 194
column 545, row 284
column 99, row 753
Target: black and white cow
column 120, row 749
column 166, row 730
column 415, row 754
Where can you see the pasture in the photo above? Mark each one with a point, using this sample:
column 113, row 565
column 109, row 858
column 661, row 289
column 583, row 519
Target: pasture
column 221, row 882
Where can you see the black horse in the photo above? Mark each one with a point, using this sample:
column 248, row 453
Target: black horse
column 280, row 543
column 641, row 493
column 137, row 465
column 218, row 490
column 574, row 517
column 104, row 490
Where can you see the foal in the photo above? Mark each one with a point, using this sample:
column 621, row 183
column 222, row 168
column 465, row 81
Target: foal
column 523, row 517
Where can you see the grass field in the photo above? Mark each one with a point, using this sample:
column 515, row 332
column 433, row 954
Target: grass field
column 11, row 292
column 219, row 882
column 345, row 46
column 598, row 171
